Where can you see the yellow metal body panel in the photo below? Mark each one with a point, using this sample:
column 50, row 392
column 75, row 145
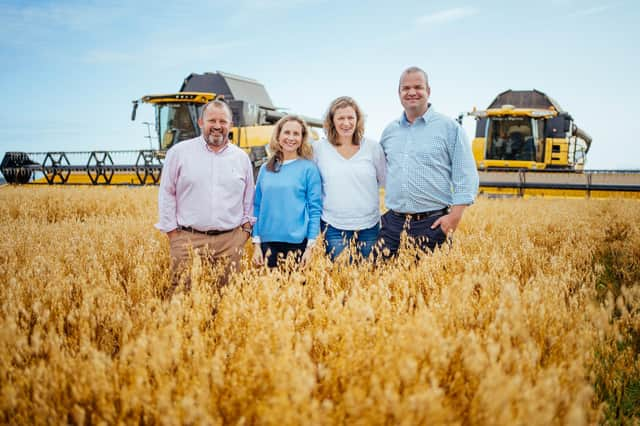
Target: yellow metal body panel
column 83, row 178
column 555, row 193
column 187, row 97
column 518, row 112
column 251, row 136
column 561, row 156
column 478, row 146
column 511, row 164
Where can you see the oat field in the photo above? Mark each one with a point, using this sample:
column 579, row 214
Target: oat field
column 531, row 317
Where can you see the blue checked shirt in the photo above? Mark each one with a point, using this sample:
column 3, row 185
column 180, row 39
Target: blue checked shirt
column 429, row 164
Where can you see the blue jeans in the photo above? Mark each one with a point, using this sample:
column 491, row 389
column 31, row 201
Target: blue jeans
column 339, row 239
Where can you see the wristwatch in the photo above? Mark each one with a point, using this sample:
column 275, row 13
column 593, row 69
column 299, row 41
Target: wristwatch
column 246, row 227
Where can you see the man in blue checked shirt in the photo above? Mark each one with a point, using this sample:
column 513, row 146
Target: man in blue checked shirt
column 431, row 173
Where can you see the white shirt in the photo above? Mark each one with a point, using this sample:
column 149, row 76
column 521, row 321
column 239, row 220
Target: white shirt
column 350, row 187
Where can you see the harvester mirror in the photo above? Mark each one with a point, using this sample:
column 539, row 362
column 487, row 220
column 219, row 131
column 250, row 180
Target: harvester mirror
column 133, row 112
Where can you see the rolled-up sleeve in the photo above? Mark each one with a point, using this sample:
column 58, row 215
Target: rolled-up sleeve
column 167, row 202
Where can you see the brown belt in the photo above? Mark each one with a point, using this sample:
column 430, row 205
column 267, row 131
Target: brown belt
column 196, row 231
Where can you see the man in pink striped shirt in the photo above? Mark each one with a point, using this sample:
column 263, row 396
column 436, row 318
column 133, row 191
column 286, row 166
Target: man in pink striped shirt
column 206, row 193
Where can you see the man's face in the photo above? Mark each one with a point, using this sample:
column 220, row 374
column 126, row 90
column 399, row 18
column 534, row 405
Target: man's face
column 215, row 125
column 414, row 93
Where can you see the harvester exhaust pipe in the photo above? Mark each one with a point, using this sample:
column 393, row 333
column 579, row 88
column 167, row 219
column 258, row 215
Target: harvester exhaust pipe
column 273, row 116
column 578, row 132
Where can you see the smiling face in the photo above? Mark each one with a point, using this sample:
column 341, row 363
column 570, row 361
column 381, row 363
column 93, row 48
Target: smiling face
column 345, row 121
column 215, row 125
column 414, row 94
column 290, row 139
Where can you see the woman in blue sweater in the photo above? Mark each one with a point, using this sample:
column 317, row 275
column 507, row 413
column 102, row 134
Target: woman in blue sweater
column 288, row 199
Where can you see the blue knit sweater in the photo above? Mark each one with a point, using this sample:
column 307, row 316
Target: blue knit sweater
column 288, row 204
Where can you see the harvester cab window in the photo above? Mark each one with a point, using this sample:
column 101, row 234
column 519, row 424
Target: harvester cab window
column 511, row 138
column 176, row 124
column 497, row 141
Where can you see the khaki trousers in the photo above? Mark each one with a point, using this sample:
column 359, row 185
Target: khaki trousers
column 225, row 247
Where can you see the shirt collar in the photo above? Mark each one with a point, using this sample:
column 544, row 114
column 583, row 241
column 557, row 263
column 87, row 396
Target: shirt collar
column 424, row 117
column 206, row 147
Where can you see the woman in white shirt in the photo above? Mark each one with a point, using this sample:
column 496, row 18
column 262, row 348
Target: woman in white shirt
column 352, row 169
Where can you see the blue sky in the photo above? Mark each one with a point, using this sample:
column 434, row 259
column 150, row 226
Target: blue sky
column 70, row 69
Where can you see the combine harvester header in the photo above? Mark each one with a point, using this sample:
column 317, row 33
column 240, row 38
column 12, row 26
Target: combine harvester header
column 527, row 145
column 176, row 119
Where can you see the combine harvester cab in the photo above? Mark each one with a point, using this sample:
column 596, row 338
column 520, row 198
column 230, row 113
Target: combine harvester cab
column 176, row 114
column 176, row 120
column 527, row 145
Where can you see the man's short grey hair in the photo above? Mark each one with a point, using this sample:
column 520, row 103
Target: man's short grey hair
column 217, row 103
column 412, row 70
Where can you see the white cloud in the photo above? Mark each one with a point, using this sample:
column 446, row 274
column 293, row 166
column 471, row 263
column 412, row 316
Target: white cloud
column 446, row 16
column 596, row 10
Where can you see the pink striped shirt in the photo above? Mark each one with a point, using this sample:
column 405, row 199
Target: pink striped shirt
column 205, row 190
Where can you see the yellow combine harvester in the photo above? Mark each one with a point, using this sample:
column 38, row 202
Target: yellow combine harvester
column 176, row 119
column 527, row 145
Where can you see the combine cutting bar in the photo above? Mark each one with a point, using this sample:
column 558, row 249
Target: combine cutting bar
column 95, row 167
column 588, row 183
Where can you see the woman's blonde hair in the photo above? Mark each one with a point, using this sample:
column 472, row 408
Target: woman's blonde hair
column 330, row 127
column 304, row 150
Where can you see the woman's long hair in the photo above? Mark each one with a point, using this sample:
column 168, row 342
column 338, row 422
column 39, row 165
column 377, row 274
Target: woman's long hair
column 330, row 127
column 304, row 150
